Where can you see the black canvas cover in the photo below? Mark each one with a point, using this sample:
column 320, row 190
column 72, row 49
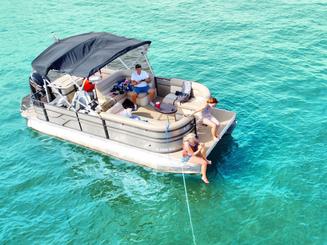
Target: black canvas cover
column 84, row 54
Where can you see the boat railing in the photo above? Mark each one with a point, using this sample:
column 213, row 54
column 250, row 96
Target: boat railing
column 156, row 138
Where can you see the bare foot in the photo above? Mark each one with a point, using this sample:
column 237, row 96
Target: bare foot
column 205, row 180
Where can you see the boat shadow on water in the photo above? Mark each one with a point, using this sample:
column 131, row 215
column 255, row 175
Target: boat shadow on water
column 117, row 182
column 221, row 156
column 223, row 163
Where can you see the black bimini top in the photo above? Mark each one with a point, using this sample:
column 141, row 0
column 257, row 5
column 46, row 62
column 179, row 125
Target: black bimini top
column 84, row 54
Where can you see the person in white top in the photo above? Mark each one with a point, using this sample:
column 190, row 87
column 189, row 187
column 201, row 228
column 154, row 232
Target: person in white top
column 140, row 80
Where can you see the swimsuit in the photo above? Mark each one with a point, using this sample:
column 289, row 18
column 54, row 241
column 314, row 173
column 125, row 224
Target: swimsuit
column 186, row 156
column 206, row 113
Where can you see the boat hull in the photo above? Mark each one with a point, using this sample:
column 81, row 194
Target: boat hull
column 164, row 162
column 157, row 161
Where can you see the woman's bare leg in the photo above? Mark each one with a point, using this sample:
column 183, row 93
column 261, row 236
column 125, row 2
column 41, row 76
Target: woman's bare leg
column 204, row 172
column 214, row 131
column 212, row 125
column 204, row 154
column 152, row 94
column 200, row 160
column 133, row 96
column 217, row 123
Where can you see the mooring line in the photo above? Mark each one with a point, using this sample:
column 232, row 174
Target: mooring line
column 188, row 207
column 186, row 194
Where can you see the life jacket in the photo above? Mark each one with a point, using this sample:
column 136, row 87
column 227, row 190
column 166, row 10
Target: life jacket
column 88, row 86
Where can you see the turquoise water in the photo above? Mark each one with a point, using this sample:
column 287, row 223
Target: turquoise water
column 266, row 60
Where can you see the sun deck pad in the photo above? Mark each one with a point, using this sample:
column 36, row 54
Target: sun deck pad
column 66, row 82
column 193, row 104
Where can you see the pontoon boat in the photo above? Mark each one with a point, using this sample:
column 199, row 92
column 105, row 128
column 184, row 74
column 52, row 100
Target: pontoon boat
column 59, row 106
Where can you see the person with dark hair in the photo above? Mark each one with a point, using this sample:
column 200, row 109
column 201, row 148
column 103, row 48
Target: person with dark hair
column 140, row 80
column 207, row 118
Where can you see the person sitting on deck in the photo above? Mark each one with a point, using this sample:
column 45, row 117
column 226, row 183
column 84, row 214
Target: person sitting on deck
column 140, row 80
column 207, row 118
column 195, row 152
column 88, row 86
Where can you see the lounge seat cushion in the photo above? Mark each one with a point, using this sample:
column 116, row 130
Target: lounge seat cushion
column 103, row 87
column 193, row 104
column 170, row 99
column 116, row 108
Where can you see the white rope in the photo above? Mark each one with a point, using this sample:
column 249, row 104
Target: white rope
column 188, row 207
column 186, row 195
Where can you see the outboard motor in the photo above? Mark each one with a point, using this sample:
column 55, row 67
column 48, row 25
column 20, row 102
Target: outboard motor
column 36, row 85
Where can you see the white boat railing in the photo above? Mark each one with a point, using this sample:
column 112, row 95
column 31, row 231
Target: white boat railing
column 118, row 128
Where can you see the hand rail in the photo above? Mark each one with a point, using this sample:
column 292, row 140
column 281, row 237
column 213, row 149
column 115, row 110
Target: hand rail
column 113, row 124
